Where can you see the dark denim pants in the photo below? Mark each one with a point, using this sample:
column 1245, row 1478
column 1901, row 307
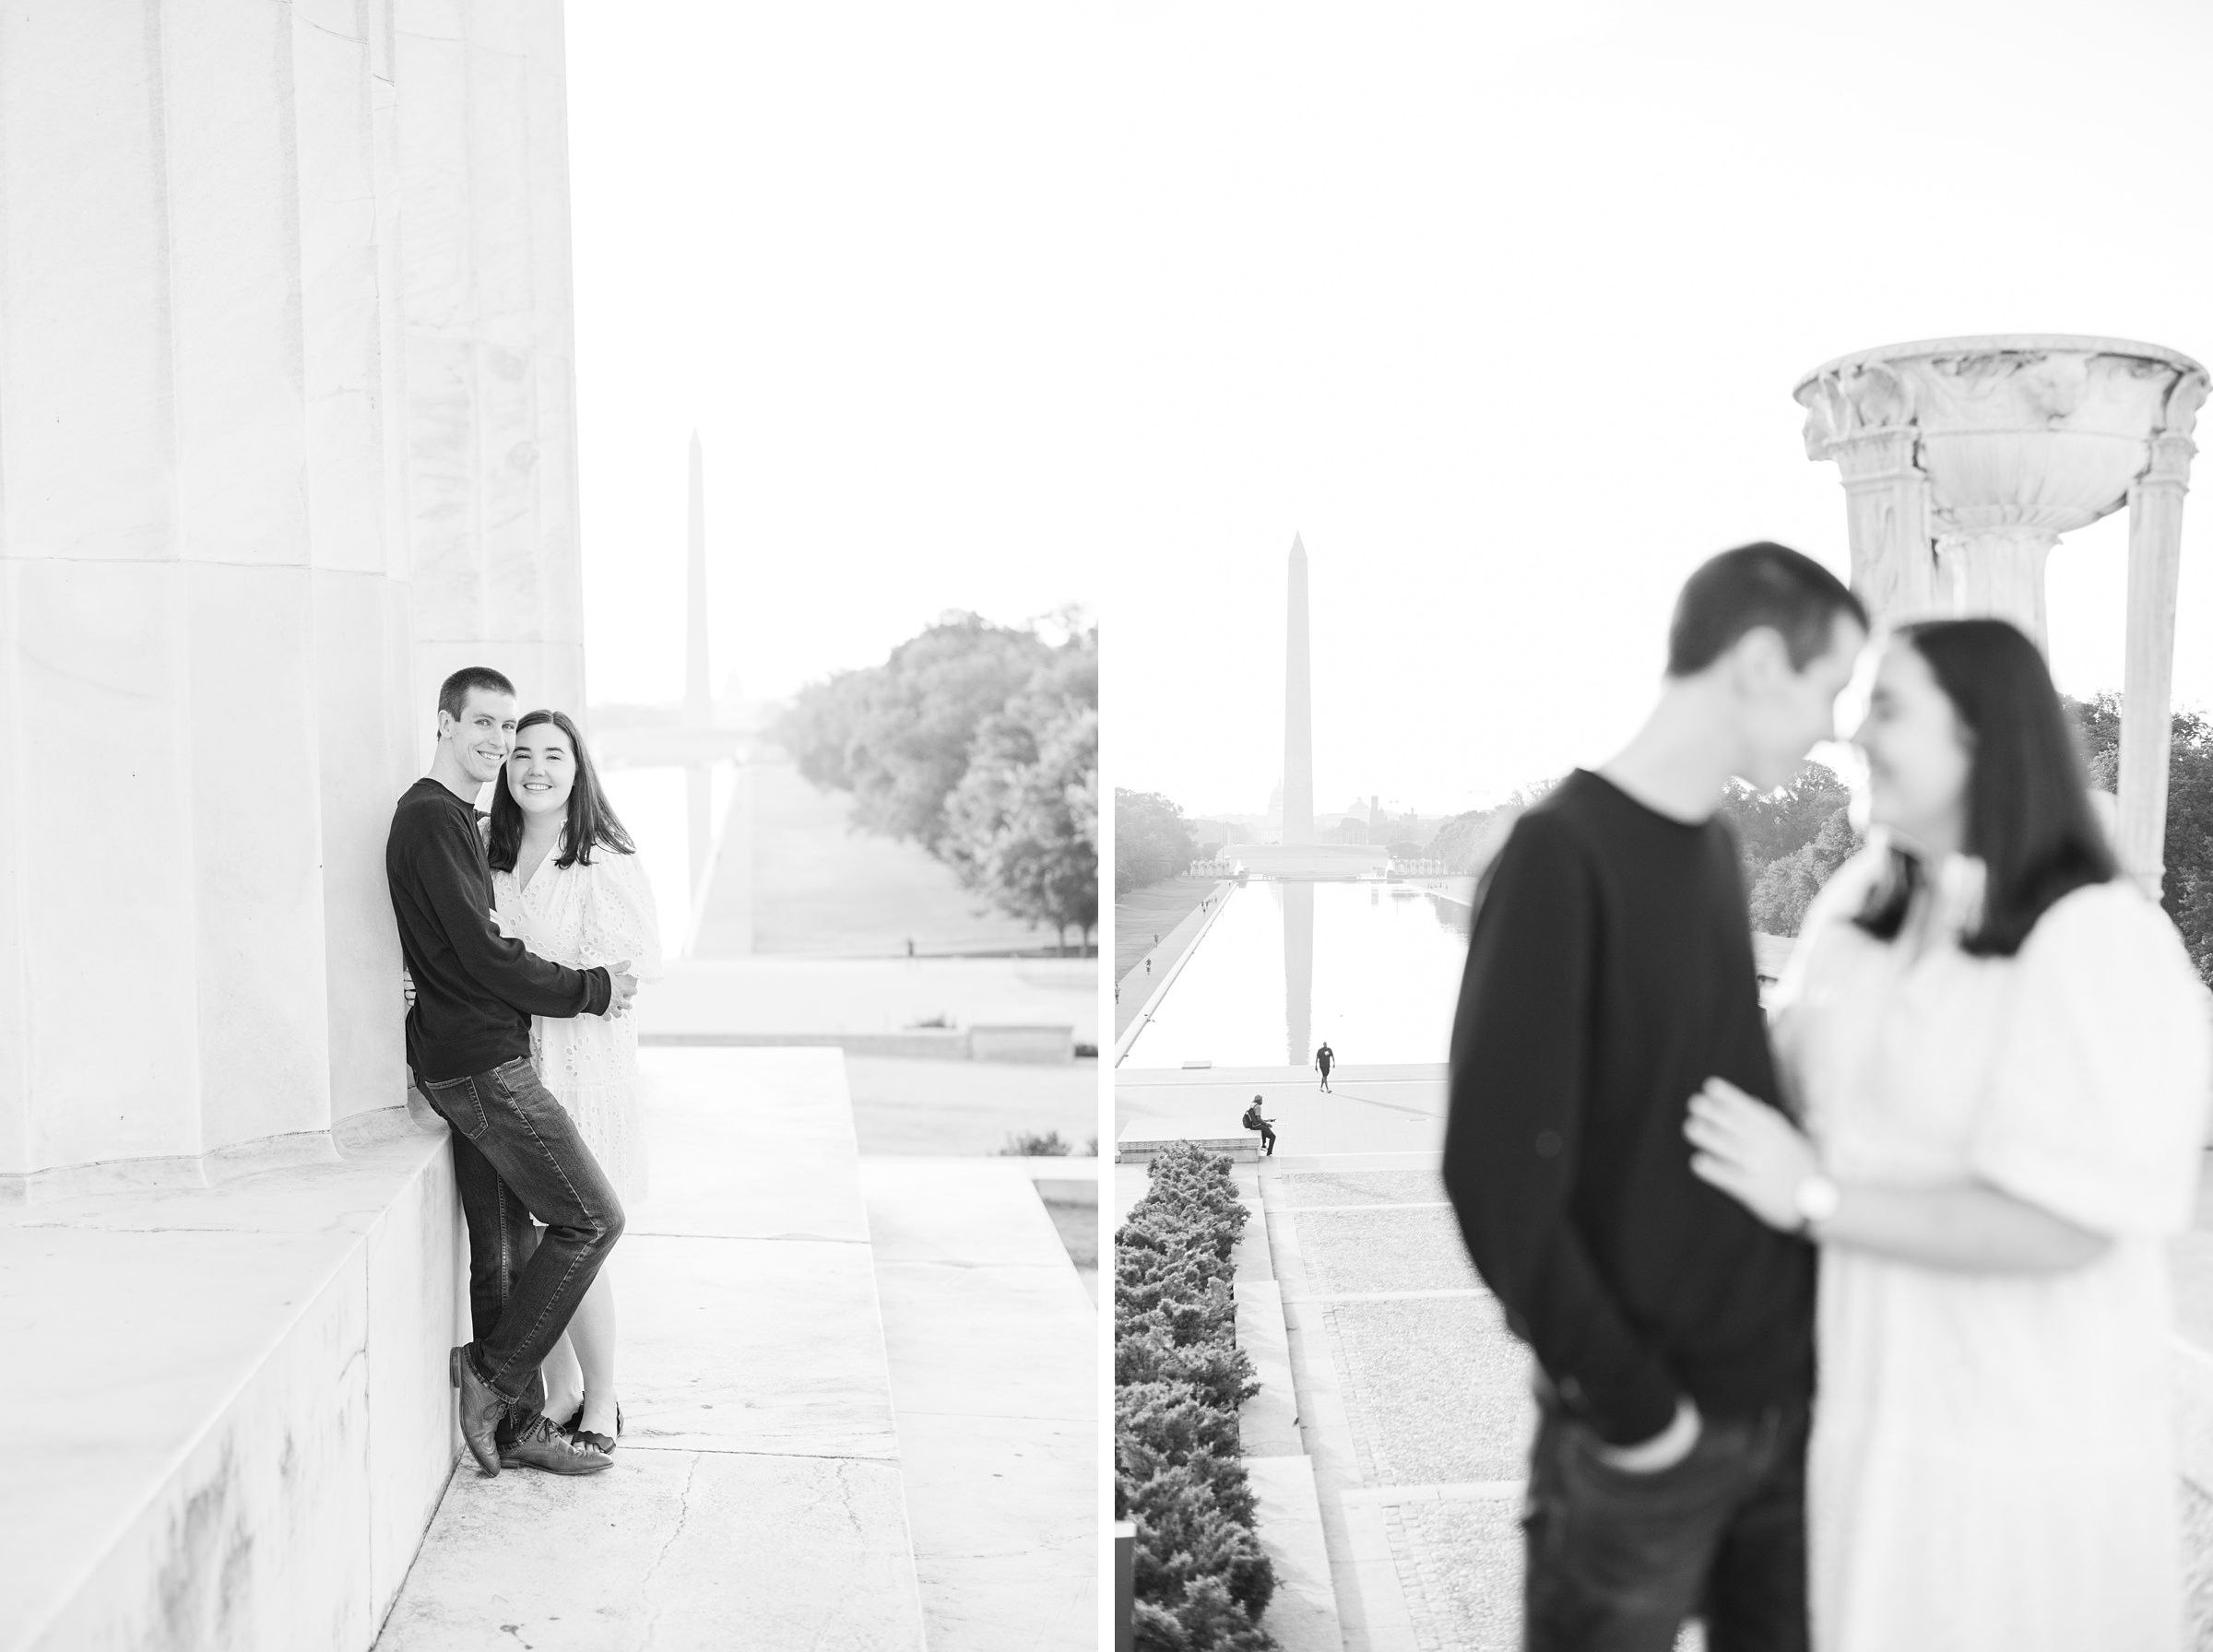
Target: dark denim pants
column 1617, row 1560
column 517, row 1155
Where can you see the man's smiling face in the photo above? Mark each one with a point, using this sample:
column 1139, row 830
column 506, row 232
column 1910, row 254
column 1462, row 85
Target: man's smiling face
column 482, row 735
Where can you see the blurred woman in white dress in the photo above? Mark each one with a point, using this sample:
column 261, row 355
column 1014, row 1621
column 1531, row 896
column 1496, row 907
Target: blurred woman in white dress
column 567, row 883
column 2002, row 1057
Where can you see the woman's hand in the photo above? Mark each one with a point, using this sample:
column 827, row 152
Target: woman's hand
column 407, row 986
column 1749, row 1151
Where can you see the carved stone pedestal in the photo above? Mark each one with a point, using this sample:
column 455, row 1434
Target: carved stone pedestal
column 1964, row 462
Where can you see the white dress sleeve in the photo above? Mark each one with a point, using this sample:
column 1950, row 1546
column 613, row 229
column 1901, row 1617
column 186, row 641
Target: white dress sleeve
column 1835, row 906
column 2096, row 1107
column 619, row 918
column 506, row 905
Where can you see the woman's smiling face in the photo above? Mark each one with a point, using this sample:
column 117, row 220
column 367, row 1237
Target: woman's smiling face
column 1919, row 753
column 541, row 770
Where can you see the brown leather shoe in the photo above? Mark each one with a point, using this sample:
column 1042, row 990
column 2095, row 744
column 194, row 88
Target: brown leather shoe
column 541, row 1444
column 482, row 1406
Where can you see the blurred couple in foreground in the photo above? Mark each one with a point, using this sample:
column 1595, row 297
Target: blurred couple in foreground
column 1975, row 1116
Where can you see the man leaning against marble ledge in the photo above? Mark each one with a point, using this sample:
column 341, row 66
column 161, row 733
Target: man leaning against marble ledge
column 517, row 1154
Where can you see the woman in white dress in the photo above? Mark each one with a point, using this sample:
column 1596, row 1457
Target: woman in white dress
column 2000, row 1055
column 567, row 883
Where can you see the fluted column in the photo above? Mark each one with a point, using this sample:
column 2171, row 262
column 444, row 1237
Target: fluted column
column 211, row 688
column 2155, row 547
column 1886, row 520
column 492, row 424
column 1998, row 573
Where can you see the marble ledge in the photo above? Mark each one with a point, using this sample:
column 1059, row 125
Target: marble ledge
column 336, row 1181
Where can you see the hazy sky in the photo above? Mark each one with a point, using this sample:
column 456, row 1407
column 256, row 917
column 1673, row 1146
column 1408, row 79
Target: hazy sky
column 1500, row 306
column 863, row 251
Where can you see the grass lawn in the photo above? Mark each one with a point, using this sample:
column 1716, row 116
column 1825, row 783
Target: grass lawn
column 1142, row 913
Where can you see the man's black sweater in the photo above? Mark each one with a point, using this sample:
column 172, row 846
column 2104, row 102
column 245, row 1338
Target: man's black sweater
column 475, row 990
column 1609, row 976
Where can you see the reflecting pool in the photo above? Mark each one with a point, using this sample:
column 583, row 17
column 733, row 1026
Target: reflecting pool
column 1287, row 965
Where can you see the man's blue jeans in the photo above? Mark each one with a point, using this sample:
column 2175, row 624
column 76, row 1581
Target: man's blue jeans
column 517, row 1155
column 1617, row 1560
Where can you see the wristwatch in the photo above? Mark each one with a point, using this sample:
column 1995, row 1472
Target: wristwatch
column 1816, row 1199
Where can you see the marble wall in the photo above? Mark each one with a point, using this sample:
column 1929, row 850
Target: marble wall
column 287, row 432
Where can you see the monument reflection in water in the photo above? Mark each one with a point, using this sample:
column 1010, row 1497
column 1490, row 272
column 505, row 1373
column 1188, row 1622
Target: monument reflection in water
column 1287, row 964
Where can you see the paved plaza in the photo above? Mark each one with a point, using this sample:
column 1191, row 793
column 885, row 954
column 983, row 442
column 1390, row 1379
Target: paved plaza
column 1408, row 1415
column 860, row 1399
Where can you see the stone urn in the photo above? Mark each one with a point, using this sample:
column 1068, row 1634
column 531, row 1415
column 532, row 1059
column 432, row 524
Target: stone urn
column 1965, row 459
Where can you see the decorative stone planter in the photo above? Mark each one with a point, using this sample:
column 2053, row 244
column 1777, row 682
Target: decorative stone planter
column 1965, row 459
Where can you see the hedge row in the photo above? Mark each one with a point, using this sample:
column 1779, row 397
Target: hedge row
column 1203, row 1581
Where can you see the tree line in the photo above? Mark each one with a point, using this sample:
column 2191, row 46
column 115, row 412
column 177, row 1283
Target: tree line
column 980, row 743
column 1794, row 838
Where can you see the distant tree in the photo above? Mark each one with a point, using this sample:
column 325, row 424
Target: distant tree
column 1024, row 822
column 1465, row 843
column 979, row 742
column 1771, row 826
column 1151, row 840
column 898, row 736
column 1210, row 851
column 2186, row 892
column 1405, row 850
column 1788, row 884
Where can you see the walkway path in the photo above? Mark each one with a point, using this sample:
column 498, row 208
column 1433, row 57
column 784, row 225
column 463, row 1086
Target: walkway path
column 1412, row 1403
column 993, row 1346
column 756, row 1494
column 860, row 1399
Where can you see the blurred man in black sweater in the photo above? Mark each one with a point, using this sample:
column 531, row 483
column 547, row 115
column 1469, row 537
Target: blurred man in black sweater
column 1609, row 976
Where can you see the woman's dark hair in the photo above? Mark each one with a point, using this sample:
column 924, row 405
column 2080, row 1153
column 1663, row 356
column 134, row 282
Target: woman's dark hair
column 2028, row 815
column 591, row 817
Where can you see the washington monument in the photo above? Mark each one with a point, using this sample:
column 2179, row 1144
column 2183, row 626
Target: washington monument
column 1299, row 708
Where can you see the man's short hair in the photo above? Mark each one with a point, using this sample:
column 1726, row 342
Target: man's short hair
column 1753, row 585
column 453, row 694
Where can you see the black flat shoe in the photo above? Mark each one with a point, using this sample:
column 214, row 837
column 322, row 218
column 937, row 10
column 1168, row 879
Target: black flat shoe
column 597, row 1442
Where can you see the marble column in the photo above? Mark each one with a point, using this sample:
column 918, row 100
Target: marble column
column 2155, row 546
column 208, row 671
column 1298, row 707
column 491, row 414
column 1964, row 461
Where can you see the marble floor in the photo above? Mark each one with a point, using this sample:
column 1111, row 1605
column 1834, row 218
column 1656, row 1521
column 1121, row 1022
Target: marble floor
column 994, row 1355
column 861, row 1406
column 1414, row 1400
column 756, row 1498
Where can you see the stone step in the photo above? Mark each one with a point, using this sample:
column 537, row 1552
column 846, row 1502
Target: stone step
column 1141, row 1139
column 233, row 1416
column 756, row 1497
column 994, row 1357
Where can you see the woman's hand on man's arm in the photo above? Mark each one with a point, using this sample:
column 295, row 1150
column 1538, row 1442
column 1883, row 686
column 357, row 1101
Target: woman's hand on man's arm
column 1761, row 1160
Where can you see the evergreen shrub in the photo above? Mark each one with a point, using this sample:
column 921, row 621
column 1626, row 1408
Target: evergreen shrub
column 1202, row 1580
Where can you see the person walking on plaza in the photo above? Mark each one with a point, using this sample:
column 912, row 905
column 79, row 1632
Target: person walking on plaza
column 2000, row 1051
column 1609, row 975
column 1253, row 1121
column 1325, row 1058
column 570, row 886
column 517, row 1153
